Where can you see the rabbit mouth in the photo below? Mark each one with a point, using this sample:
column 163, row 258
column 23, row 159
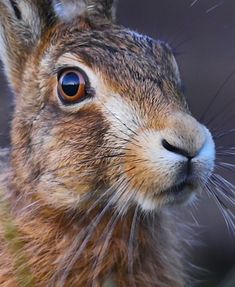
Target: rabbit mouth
column 181, row 192
column 187, row 184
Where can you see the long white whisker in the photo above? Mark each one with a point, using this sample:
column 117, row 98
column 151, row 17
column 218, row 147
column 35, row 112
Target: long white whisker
column 226, row 165
column 218, row 187
column 131, row 247
column 107, row 233
column 225, row 182
column 225, row 211
column 89, row 232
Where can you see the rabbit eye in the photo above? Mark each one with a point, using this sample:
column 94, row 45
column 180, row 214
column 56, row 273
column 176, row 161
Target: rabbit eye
column 71, row 86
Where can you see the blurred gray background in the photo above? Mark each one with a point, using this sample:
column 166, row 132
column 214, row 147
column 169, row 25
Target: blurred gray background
column 202, row 34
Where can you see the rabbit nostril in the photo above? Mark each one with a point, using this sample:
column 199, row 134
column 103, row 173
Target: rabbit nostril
column 176, row 150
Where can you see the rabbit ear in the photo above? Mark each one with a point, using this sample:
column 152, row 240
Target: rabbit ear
column 22, row 23
column 98, row 12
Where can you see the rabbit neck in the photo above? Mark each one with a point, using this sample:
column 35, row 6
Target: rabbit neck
column 78, row 250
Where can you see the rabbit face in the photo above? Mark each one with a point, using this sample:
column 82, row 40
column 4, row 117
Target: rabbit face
column 100, row 115
column 129, row 139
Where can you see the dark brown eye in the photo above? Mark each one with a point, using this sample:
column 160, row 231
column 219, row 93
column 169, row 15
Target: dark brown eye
column 71, row 86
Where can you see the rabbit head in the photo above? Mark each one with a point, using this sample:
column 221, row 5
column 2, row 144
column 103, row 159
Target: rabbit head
column 100, row 115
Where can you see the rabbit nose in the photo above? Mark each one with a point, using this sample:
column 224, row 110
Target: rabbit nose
column 178, row 150
column 183, row 135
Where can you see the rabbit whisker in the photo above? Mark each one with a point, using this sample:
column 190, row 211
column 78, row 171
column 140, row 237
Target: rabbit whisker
column 67, row 141
column 226, row 153
column 77, row 165
column 66, row 260
column 117, row 185
column 225, row 133
column 215, row 97
column 225, row 211
column 107, row 234
column 225, row 182
column 81, row 163
column 131, row 246
column 226, row 149
column 223, row 113
column 88, row 233
column 117, row 118
column 193, row 3
column 225, row 165
column 215, row 7
column 222, row 191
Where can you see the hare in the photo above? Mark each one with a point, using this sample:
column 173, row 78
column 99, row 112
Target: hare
column 103, row 145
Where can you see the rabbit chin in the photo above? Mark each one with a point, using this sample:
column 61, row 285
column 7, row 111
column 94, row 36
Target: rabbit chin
column 183, row 193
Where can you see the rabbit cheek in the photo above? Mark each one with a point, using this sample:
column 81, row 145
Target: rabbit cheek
column 72, row 148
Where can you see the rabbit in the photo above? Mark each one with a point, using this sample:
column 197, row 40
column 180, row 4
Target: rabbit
column 103, row 147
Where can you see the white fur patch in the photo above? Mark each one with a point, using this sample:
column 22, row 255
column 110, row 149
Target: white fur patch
column 69, row 9
column 31, row 18
column 208, row 150
column 122, row 115
column 206, row 155
column 146, row 203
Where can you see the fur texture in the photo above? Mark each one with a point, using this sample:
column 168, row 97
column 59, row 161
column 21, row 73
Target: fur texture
column 89, row 185
column 97, row 11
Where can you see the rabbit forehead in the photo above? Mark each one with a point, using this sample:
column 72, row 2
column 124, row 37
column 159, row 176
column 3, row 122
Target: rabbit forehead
column 119, row 50
column 127, row 61
column 127, row 82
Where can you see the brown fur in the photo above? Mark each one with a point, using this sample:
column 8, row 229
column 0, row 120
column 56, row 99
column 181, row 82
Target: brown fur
column 75, row 173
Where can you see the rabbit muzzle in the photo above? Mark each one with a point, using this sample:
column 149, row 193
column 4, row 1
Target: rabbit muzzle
column 174, row 163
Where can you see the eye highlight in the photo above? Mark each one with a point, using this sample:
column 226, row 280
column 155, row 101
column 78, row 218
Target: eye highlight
column 71, row 86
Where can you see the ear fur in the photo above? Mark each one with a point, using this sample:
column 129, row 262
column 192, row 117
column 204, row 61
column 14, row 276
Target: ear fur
column 22, row 23
column 68, row 10
column 97, row 12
